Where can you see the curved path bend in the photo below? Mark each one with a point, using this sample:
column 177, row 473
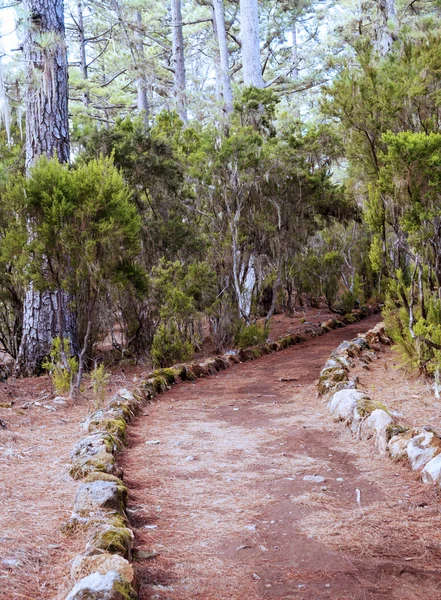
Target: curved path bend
column 222, row 510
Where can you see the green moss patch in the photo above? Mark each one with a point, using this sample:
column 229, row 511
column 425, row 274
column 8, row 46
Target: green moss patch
column 116, row 540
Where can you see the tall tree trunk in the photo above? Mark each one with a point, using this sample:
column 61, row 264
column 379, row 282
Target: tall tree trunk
column 141, row 84
column 294, row 53
column 83, row 58
column 47, row 127
column 249, row 32
column 178, row 58
column 216, row 59
column 223, row 52
column 389, row 25
column 47, row 133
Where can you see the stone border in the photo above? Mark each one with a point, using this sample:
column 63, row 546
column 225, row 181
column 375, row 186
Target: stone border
column 370, row 419
column 104, row 569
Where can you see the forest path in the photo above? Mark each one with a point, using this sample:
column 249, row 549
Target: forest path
column 216, row 476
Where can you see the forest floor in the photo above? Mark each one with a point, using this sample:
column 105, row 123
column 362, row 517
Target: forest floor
column 221, row 498
column 216, row 476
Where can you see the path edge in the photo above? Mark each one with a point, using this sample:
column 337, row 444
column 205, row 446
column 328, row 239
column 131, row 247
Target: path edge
column 105, row 566
column 367, row 417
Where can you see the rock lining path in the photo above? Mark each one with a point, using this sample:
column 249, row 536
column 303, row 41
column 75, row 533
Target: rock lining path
column 223, row 500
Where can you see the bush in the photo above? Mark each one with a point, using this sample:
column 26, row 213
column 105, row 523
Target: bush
column 251, row 335
column 61, row 366
column 99, row 378
column 169, row 347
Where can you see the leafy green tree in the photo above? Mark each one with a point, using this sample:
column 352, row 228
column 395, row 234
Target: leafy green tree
column 84, row 230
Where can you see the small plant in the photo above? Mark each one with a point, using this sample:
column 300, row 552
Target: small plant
column 169, row 347
column 61, row 366
column 99, row 378
column 251, row 335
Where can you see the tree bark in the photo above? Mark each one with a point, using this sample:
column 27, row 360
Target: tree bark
column 83, row 58
column 141, row 84
column 223, row 53
column 178, row 58
column 47, row 127
column 294, row 53
column 47, row 133
column 216, row 59
column 389, row 26
column 249, row 32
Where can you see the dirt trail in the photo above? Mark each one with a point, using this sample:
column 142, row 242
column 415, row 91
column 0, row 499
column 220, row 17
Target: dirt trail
column 222, row 496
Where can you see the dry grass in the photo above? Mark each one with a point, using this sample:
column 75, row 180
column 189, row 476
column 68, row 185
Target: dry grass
column 380, row 531
column 317, row 500
column 36, row 493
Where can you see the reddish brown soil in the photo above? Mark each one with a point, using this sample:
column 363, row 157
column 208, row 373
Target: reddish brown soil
column 222, row 498
column 36, row 492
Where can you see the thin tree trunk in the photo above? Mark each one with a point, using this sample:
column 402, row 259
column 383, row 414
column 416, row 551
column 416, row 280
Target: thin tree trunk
column 216, row 59
column 141, row 84
column 83, row 58
column 47, row 133
column 224, row 57
column 249, row 32
column 178, row 58
column 294, row 53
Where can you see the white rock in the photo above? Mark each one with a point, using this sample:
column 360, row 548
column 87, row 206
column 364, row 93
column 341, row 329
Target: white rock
column 95, row 496
column 432, row 471
column 96, row 586
column 314, row 478
column 90, row 445
column 101, row 563
column 343, row 404
column 422, row 448
column 376, row 426
column 125, row 393
column 397, row 446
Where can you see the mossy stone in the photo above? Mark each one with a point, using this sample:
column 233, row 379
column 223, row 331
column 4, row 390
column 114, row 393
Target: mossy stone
column 109, row 586
column 100, row 476
column 366, row 406
column 116, row 427
column 116, row 540
column 84, row 465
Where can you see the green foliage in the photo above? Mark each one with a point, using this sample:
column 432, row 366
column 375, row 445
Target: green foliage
column 100, row 379
column 251, row 335
column 169, row 347
column 78, row 229
column 61, row 366
column 256, row 107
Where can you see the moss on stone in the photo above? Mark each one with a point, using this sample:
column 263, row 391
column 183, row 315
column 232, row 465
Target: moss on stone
column 394, row 429
column 286, row 342
column 85, row 465
column 329, row 378
column 166, row 376
column 121, row 411
column 350, row 318
column 116, row 540
column 116, row 427
column 100, row 476
column 126, row 591
column 366, row 406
